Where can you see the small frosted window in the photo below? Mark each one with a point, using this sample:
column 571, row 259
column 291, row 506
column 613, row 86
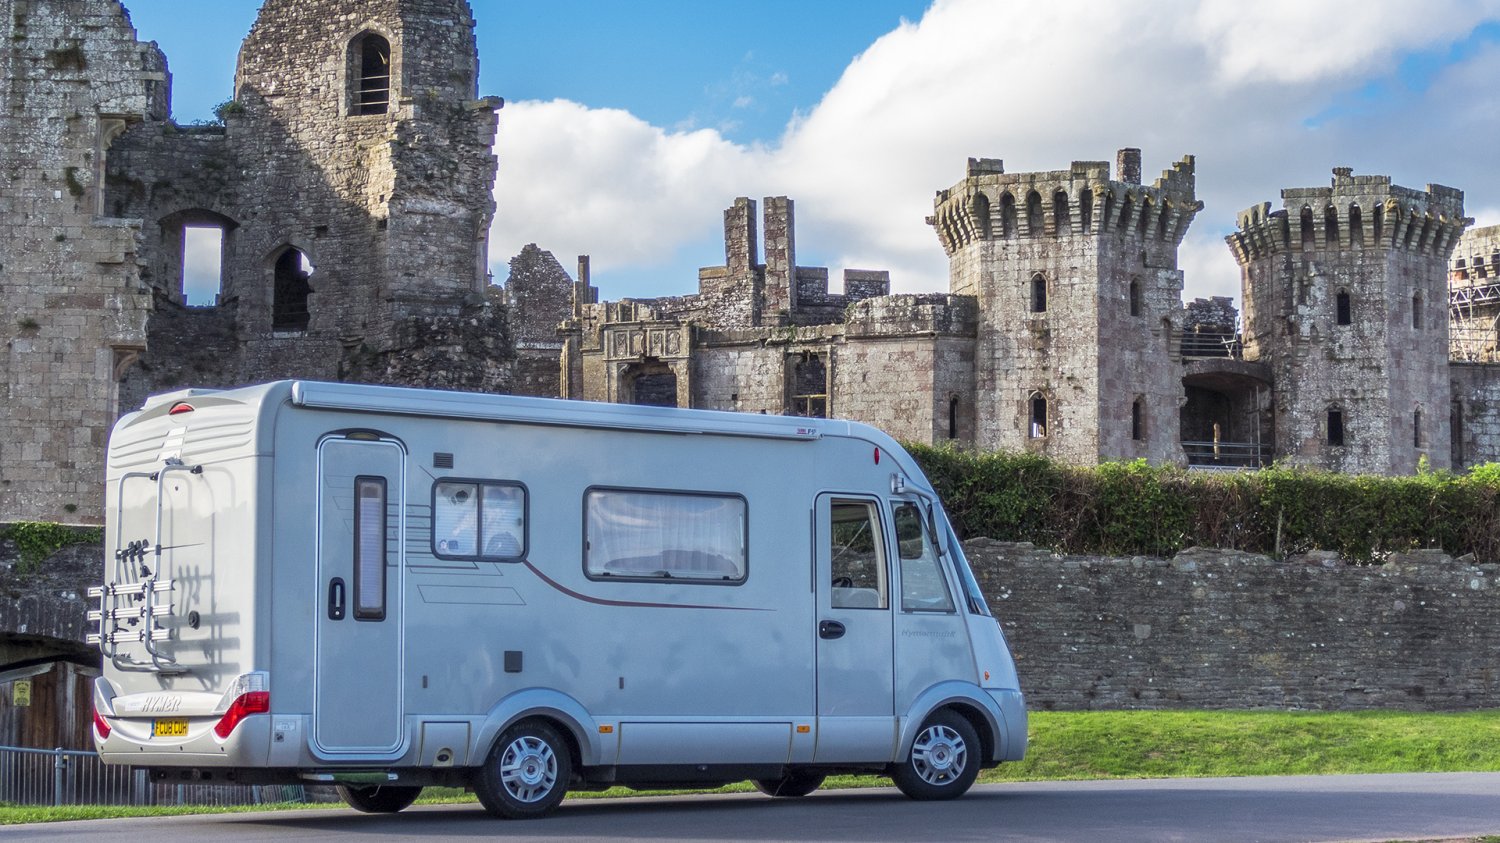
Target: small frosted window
column 369, row 549
column 664, row 535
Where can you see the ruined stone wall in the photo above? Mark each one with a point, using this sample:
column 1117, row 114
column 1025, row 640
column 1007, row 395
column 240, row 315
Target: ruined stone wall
column 73, row 74
column 1383, row 250
column 1223, row 629
column 1475, row 417
column 1079, row 301
column 539, row 298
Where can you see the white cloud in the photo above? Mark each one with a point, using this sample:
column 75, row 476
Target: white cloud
column 1039, row 85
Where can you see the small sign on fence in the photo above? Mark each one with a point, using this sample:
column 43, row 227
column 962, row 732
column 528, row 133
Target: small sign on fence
column 20, row 692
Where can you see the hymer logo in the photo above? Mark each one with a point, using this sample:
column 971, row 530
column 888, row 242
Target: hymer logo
column 162, row 703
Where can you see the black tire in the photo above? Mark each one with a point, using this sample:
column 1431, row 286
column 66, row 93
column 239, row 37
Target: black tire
column 379, row 799
column 527, row 772
column 944, row 759
column 790, row 785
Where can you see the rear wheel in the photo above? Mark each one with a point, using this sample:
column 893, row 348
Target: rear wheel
column 527, row 772
column 944, row 759
column 381, row 799
column 791, row 784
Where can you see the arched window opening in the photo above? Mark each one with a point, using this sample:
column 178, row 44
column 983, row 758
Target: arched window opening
column 371, row 58
column 1038, row 293
column 1378, row 218
column 289, row 311
column 1035, row 219
column 1007, row 215
column 1086, row 210
column 1417, row 440
column 1143, row 225
column 1330, row 226
column 1109, row 211
column 1127, row 213
column 1356, row 227
column 1062, row 219
column 1336, row 427
column 1309, row 239
column 202, row 264
column 1135, row 297
column 809, row 386
column 1037, row 428
column 1416, row 311
column 953, row 417
column 981, row 213
column 1344, row 309
column 1138, row 419
column 1162, row 220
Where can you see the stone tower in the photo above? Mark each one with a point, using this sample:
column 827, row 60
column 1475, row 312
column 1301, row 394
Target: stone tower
column 351, row 183
column 1346, row 299
column 1079, row 299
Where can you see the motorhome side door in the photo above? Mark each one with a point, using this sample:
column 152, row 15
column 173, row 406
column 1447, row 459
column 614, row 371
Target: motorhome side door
column 358, row 648
column 856, row 710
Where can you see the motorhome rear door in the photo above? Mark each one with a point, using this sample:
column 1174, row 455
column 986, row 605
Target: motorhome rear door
column 856, row 709
column 358, row 651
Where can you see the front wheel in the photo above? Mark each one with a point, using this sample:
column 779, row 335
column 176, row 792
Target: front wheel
column 791, row 784
column 527, row 773
column 383, row 799
column 944, row 759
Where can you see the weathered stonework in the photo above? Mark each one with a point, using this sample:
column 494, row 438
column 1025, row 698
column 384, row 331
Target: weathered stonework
column 351, row 183
column 73, row 75
column 1344, row 300
column 1224, row 629
column 1079, row 299
column 1474, row 296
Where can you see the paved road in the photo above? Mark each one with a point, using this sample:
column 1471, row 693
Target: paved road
column 1295, row 809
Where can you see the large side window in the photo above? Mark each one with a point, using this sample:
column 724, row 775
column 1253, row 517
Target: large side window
column 857, row 556
column 369, row 548
column 478, row 519
column 923, row 588
column 651, row 535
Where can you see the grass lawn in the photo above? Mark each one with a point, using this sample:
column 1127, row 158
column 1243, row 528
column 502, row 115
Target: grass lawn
column 1136, row 744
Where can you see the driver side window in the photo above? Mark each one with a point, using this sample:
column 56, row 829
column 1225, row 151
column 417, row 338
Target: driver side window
column 857, row 555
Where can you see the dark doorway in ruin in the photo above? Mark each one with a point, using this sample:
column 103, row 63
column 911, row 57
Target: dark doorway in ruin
column 650, row 384
column 289, row 310
column 809, row 379
column 1226, row 418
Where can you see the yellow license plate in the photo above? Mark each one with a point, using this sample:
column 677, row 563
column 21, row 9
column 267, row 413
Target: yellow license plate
column 169, row 728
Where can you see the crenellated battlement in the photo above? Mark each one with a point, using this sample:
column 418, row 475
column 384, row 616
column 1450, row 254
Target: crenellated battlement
column 1353, row 212
column 990, row 204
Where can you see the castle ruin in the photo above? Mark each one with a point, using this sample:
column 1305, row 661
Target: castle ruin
column 350, row 190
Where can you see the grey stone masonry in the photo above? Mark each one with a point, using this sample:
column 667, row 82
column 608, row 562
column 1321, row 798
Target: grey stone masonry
column 73, row 76
column 1474, row 296
column 1079, row 302
column 1345, row 291
column 1223, row 629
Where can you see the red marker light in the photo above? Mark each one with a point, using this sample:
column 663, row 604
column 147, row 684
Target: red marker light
column 877, row 456
column 100, row 727
column 180, row 408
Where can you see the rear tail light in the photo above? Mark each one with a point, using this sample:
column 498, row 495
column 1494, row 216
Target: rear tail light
column 250, row 694
column 101, row 727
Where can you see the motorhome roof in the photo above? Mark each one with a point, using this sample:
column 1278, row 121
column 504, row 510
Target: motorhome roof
column 553, row 411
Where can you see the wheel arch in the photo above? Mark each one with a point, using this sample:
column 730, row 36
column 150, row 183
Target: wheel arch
column 567, row 714
column 965, row 699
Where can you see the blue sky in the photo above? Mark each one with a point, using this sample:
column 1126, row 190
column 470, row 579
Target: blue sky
column 661, row 112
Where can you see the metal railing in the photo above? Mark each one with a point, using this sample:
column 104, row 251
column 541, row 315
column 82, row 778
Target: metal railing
column 1212, row 345
column 78, row 777
column 1227, row 455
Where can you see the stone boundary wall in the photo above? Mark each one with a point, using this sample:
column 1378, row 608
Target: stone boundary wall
column 1207, row 629
column 1230, row 630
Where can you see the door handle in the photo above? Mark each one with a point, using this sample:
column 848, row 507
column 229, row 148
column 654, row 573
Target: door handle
column 830, row 629
column 336, row 599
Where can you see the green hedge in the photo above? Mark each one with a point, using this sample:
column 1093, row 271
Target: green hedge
column 1137, row 509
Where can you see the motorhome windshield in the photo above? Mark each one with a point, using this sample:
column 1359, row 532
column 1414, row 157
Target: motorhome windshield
column 972, row 595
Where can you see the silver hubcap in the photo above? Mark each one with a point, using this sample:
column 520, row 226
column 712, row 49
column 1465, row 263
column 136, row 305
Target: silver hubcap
column 528, row 769
column 939, row 755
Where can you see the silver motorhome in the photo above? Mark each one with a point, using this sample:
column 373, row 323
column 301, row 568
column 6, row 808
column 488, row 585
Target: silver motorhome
column 387, row 588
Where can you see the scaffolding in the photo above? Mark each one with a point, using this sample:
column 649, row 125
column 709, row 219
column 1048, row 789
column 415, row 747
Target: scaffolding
column 1473, row 319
